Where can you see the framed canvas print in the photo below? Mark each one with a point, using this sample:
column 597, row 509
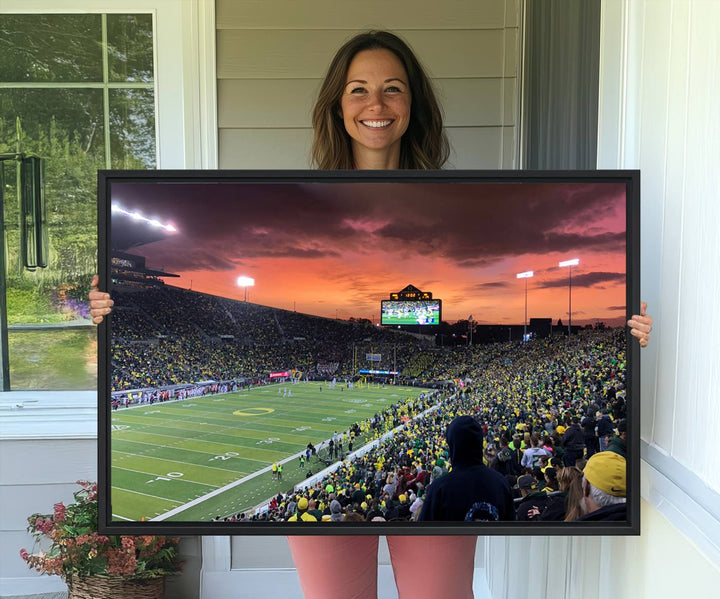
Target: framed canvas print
column 369, row 352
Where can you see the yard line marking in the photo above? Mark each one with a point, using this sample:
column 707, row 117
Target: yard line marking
column 148, row 495
column 183, row 479
column 123, row 518
column 184, row 449
column 216, row 492
column 214, row 429
column 232, row 446
column 150, row 457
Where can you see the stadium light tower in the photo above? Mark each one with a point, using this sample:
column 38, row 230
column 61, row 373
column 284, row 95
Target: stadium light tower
column 245, row 282
column 525, row 275
column 569, row 264
column 137, row 216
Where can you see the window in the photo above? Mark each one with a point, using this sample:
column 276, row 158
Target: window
column 78, row 90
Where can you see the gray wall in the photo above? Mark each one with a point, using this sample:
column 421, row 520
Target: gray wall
column 271, row 57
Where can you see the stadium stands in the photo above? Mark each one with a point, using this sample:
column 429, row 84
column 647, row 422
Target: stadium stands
column 168, row 338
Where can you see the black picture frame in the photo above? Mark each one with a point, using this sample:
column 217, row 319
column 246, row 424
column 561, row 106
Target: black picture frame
column 110, row 181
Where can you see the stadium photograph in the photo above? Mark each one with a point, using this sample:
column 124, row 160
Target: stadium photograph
column 297, row 351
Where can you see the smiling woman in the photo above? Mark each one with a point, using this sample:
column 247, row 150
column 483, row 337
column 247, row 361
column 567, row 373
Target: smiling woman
column 375, row 108
column 363, row 109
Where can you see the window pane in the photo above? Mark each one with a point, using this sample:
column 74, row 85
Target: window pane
column 54, row 359
column 74, row 116
column 65, row 127
column 52, row 343
column 132, row 128
column 130, row 47
column 50, row 48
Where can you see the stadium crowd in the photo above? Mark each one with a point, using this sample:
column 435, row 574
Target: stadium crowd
column 165, row 336
column 545, row 408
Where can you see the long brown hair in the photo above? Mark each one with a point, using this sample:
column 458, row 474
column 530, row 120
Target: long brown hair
column 424, row 144
column 570, row 480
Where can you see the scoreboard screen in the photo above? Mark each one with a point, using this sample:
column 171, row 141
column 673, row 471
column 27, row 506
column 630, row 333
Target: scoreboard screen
column 410, row 312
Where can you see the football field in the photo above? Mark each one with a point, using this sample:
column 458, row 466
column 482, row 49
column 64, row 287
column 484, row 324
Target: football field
column 198, row 458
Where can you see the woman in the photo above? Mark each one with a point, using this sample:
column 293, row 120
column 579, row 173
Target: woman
column 376, row 109
column 564, row 505
column 363, row 119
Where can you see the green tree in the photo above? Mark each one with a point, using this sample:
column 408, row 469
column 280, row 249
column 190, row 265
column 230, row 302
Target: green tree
column 66, row 127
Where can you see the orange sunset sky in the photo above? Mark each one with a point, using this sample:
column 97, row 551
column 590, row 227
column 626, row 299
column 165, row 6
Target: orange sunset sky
column 339, row 248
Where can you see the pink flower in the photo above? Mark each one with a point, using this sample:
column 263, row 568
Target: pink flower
column 121, row 562
column 128, row 542
column 59, row 512
column 148, row 540
column 72, row 554
column 53, row 565
column 44, row 526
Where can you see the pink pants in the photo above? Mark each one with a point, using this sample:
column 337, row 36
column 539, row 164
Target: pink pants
column 333, row 567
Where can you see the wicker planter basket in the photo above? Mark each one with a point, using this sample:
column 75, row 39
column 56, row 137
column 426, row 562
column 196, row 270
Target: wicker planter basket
column 116, row 587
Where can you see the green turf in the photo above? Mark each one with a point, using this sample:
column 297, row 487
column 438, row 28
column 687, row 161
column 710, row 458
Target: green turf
column 166, row 455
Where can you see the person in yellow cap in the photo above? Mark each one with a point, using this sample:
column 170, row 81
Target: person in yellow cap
column 403, row 507
column 604, row 488
column 358, row 495
column 301, row 513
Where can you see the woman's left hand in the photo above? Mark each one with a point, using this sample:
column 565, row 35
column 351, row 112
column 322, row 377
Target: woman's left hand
column 641, row 325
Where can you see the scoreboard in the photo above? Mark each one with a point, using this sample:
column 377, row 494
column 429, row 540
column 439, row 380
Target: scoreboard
column 411, row 307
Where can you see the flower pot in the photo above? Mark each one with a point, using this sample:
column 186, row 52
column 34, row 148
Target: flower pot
column 116, row 587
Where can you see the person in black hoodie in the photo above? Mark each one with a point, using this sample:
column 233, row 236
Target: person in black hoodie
column 574, row 442
column 471, row 490
column 588, row 424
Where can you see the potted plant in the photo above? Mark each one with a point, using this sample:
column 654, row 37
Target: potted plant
column 94, row 565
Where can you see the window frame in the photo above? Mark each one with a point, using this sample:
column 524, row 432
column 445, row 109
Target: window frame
column 181, row 29
column 186, row 137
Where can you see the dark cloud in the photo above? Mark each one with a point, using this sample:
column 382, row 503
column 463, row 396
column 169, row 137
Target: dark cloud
column 471, row 224
column 586, row 280
column 492, row 285
column 617, row 308
column 478, row 262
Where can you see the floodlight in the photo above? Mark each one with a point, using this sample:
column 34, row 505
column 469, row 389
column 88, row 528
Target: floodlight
column 525, row 275
column 570, row 264
column 137, row 216
column 245, row 282
column 573, row 262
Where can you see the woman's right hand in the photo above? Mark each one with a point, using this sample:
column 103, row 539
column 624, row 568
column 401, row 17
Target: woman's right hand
column 100, row 302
